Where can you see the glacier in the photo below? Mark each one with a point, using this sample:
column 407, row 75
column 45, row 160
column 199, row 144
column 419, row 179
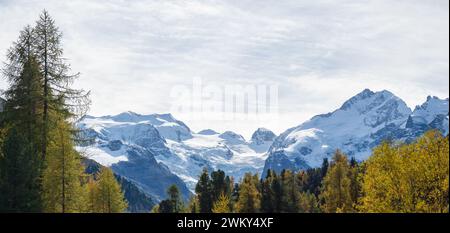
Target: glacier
column 173, row 146
column 156, row 150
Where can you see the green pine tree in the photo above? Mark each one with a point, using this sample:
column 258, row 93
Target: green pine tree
column 20, row 121
column 204, row 192
column 173, row 204
column 219, row 184
column 19, row 172
column 290, row 192
column 268, row 198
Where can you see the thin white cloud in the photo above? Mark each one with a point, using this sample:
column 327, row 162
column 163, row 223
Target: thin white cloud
column 131, row 53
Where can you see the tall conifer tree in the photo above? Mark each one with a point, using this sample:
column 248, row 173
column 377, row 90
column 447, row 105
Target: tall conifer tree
column 20, row 164
column 62, row 187
column 58, row 97
column 336, row 186
column 249, row 195
column 204, row 192
column 108, row 196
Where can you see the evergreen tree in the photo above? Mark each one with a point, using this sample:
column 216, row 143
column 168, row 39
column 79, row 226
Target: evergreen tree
column 173, row 204
column 204, row 192
column 39, row 105
column 175, row 199
column 165, row 206
column 277, row 190
column 218, row 184
column 234, row 196
column 20, row 122
column 314, row 182
column 290, row 193
column 355, row 181
column 324, row 168
column 336, row 186
column 268, row 198
column 19, row 190
column 229, row 184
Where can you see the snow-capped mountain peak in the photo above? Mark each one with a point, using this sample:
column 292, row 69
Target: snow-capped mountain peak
column 128, row 116
column 131, row 143
column 379, row 107
column 363, row 113
column 232, row 137
column 262, row 135
column 168, row 127
column 426, row 112
column 365, row 94
column 431, row 114
column 207, row 132
column 184, row 153
column 361, row 123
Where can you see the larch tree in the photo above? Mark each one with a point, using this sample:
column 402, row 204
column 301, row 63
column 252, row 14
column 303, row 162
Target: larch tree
column 222, row 205
column 63, row 174
column 408, row 178
column 192, row 206
column 249, row 195
column 93, row 204
column 336, row 186
column 61, row 105
column 58, row 97
column 307, row 203
column 110, row 198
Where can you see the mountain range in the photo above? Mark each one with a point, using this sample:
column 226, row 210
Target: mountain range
column 154, row 151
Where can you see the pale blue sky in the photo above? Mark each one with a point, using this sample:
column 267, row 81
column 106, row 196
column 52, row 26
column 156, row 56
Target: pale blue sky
column 319, row 53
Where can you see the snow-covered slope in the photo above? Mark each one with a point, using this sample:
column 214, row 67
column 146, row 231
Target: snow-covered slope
column 167, row 126
column 156, row 150
column 129, row 143
column 361, row 123
column 431, row 114
column 227, row 151
column 262, row 136
column 173, row 145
